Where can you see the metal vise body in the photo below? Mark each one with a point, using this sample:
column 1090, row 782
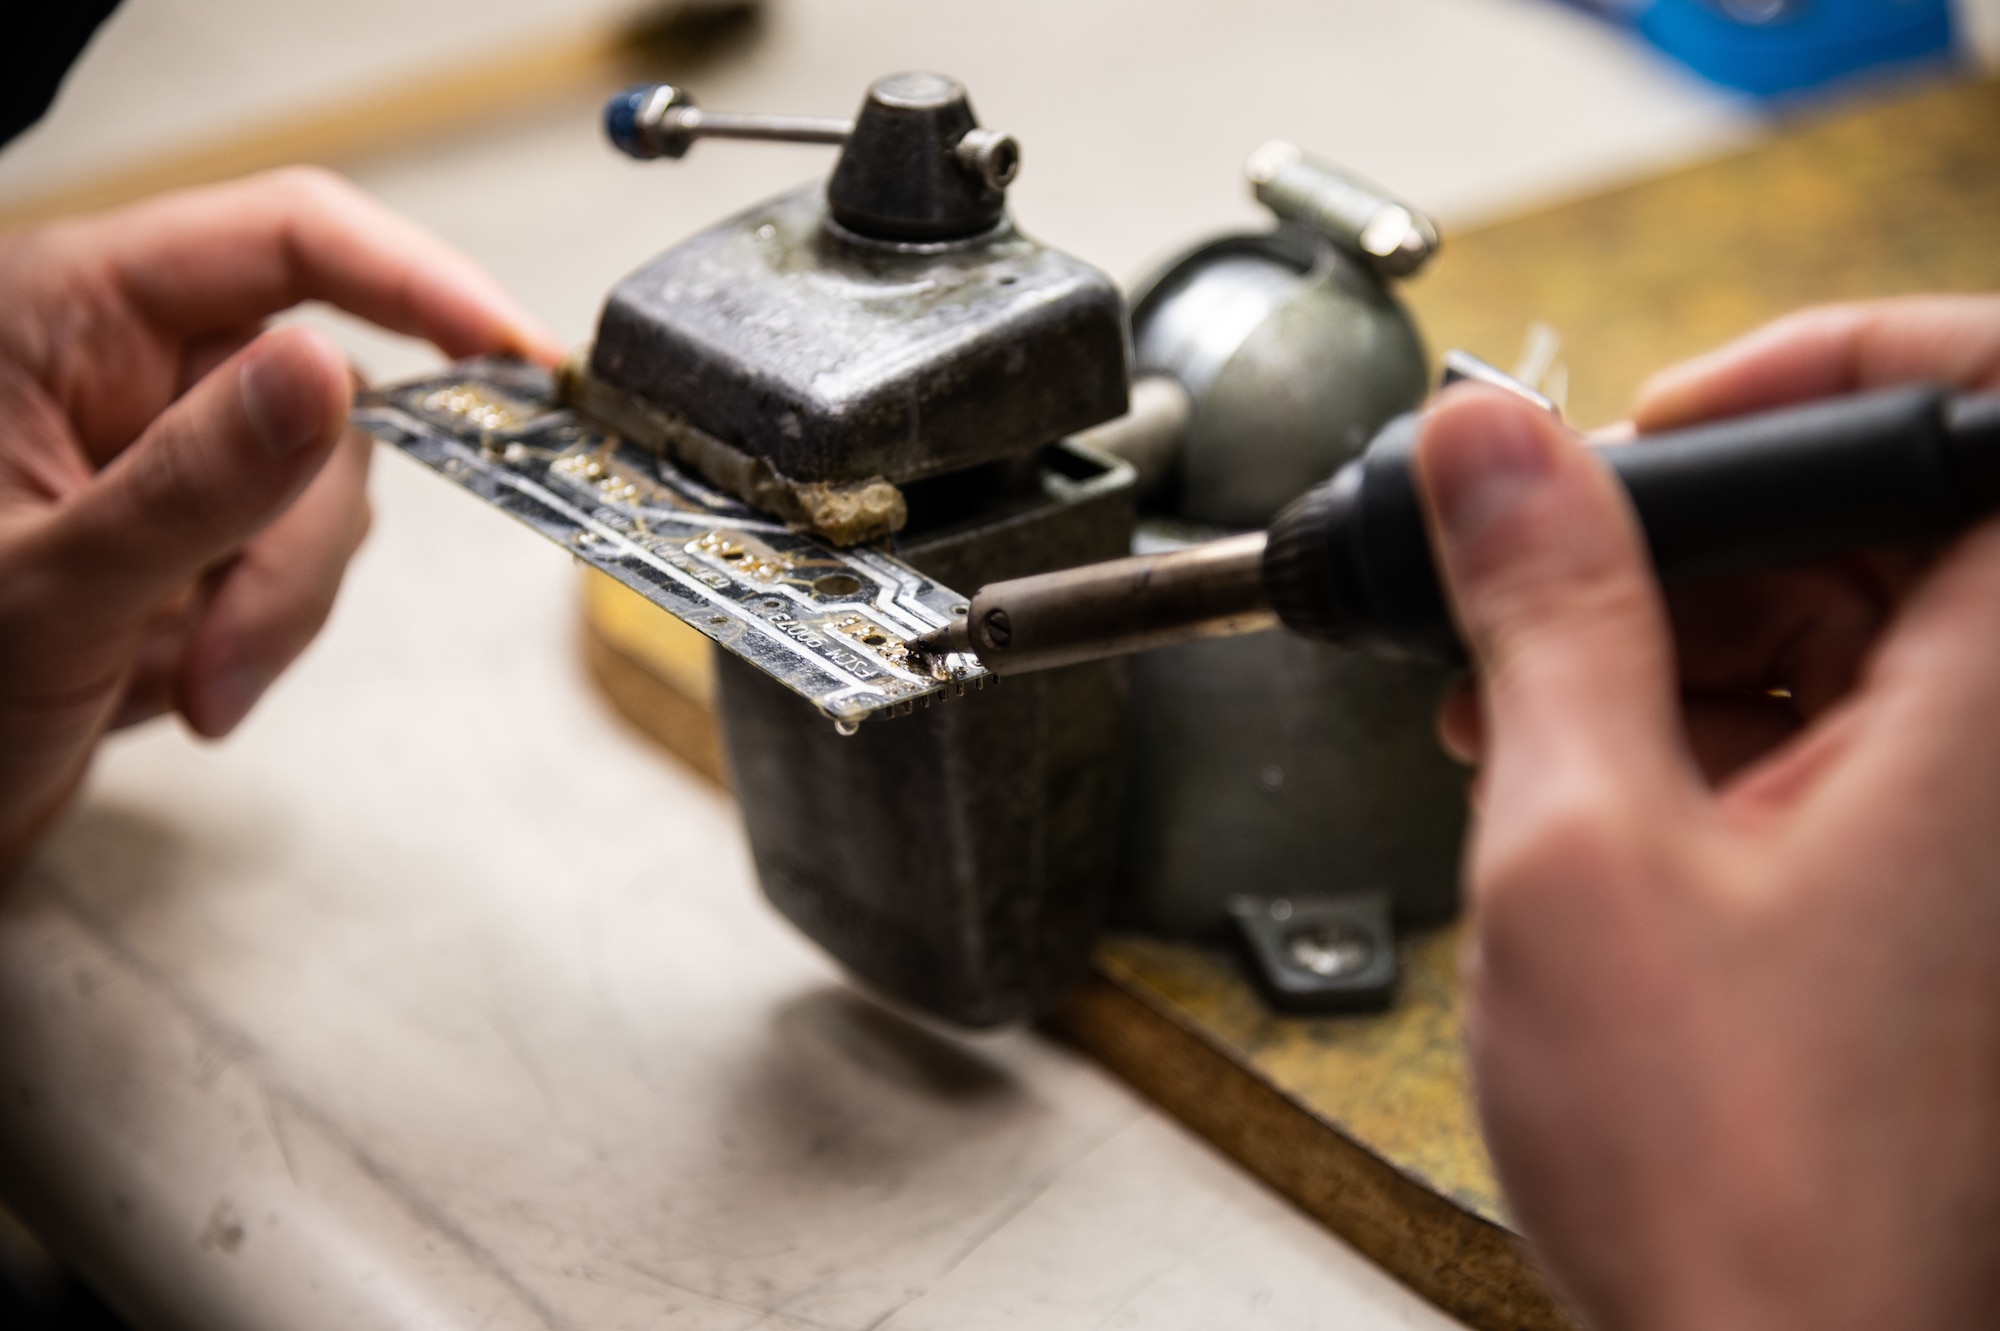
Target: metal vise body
column 886, row 358
column 1273, row 772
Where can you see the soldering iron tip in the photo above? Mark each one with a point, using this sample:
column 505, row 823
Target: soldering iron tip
column 932, row 648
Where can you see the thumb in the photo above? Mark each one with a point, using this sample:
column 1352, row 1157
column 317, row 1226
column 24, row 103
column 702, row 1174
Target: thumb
column 1547, row 573
column 208, row 473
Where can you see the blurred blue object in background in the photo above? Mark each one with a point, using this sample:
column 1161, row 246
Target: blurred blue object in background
column 1772, row 47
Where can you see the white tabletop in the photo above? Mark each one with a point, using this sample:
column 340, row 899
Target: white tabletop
column 438, row 998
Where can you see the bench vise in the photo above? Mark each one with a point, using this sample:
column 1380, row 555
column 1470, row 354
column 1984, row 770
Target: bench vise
column 801, row 429
column 885, row 357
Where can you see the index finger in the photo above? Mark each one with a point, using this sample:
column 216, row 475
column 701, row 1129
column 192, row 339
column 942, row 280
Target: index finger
column 226, row 256
column 1829, row 350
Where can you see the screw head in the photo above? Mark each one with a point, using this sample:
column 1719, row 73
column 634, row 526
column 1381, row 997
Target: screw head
column 990, row 157
column 1329, row 950
column 996, row 628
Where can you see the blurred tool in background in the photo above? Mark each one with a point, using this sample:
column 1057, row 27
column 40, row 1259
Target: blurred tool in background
column 1774, row 48
column 43, row 42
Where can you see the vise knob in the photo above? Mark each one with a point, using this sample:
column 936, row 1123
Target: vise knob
column 915, row 165
column 918, row 167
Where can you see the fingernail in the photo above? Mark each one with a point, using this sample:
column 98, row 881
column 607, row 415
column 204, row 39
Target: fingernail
column 281, row 398
column 230, row 695
column 1485, row 470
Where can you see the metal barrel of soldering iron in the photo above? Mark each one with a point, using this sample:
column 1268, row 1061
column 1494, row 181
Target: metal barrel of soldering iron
column 1350, row 561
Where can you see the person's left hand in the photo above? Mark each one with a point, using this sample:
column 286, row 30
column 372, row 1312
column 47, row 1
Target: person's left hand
column 179, row 489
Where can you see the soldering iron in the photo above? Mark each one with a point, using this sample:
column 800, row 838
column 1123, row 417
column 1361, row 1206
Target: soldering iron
column 1350, row 560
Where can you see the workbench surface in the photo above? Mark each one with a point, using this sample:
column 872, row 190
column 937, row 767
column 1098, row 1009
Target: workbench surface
column 438, row 998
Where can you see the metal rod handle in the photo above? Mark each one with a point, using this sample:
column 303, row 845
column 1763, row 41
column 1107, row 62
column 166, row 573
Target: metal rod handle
column 649, row 120
column 695, row 123
column 1390, row 236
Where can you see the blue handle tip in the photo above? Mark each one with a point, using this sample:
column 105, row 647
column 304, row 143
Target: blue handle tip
column 621, row 119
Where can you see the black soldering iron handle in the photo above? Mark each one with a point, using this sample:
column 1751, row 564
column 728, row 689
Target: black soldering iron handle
column 1350, row 561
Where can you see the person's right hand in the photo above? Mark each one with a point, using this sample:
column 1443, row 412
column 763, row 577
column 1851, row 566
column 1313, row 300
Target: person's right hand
column 179, row 492
column 1734, row 959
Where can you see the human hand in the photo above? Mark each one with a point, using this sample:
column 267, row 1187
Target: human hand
column 179, row 490
column 1733, row 968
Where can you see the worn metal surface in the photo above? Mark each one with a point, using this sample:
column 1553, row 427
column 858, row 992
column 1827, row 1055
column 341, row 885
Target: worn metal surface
column 983, row 907
column 1293, row 354
column 1271, row 764
column 887, row 354
column 829, row 625
column 1149, row 435
column 839, row 359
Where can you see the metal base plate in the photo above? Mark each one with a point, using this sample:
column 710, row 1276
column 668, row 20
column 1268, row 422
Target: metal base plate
column 831, row 625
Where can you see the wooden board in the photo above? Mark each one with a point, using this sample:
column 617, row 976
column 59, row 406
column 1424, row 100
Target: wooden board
column 1367, row 1123
column 658, row 672
column 1896, row 196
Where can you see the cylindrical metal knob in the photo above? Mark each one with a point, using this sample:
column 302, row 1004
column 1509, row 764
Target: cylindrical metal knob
column 1392, row 237
column 919, row 167
column 1150, row 435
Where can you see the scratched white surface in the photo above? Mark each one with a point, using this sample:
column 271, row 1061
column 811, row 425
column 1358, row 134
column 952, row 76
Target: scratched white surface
column 435, row 998
column 437, row 912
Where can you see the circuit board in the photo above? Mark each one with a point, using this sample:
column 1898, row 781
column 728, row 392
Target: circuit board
column 831, row 625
